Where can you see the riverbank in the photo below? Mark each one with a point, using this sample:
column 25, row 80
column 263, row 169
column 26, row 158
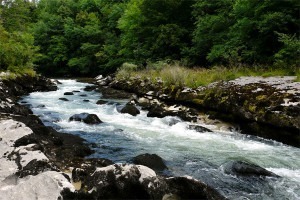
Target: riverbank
column 38, row 162
column 265, row 107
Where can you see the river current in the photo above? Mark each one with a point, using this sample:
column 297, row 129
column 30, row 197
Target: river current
column 186, row 152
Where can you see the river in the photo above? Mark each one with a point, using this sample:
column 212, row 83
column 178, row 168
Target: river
column 186, row 152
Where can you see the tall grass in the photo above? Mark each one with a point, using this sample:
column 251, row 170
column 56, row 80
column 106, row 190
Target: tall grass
column 174, row 74
column 11, row 75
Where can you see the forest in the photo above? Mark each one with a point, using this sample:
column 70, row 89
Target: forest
column 89, row 37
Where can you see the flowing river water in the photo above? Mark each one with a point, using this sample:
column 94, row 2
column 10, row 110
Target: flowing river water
column 186, row 152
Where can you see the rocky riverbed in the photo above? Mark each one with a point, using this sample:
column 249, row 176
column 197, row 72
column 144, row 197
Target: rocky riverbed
column 265, row 107
column 38, row 162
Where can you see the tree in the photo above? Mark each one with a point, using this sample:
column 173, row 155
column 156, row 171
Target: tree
column 78, row 37
column 242, row 31
column 213, row 19
column 155, row 29
column 17, row 50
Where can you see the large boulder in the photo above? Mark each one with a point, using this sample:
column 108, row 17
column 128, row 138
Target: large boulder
column 86, row 118
column 152, row 161
column 243, row 168
column 130, row 109
column 126, row 181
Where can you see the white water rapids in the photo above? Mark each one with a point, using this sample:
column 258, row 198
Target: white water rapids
column 186, row 152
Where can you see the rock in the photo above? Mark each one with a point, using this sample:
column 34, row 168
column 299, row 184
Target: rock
column 199, row 128
column 130, row 109
column 86, row 118
column 188, row 188
column 64, row 99
column 83, row 95
column 86, row 100
column 100, row 102
column 100, row 80
column 19, row 110
column 99, row 77
column 35, row 167
column 158, row 111
column 110, row 93
column 243, row 168
column 173, row 121
column 88, row 166
column 46, row 185
column 171, row 196
column 90, row 88
column 82, row 150
column 24, row 141
column 116, row 182
column 144, row 102
column 152, row 161
column 186, row 116
column 76, row 91
column 40, row 106
column 68, row 93
column 126, row 181
column 57, row 82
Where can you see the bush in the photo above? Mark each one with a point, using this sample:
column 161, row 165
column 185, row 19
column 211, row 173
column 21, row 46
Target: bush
column 125, row 71
column 174, row 75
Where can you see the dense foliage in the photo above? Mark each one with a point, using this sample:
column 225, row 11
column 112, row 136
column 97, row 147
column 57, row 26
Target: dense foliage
column 88, row 37
column 17, row 50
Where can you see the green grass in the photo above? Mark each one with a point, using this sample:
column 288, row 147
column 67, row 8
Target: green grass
column 11, row 75
column 174, row 74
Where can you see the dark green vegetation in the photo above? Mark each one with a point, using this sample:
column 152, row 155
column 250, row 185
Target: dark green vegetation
column 88, row 37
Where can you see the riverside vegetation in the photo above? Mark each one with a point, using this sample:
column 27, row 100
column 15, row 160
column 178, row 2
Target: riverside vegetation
column 176, row 75
column 89, row 37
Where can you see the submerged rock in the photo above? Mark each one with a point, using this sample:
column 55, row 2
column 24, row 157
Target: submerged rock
column 199, row 128
column 40, row 106
column 152, row 161
column 64, row 99
column 86, row 118
column 130, row 109
column 243, row 168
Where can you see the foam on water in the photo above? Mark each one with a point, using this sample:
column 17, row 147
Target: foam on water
column 185, row 151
